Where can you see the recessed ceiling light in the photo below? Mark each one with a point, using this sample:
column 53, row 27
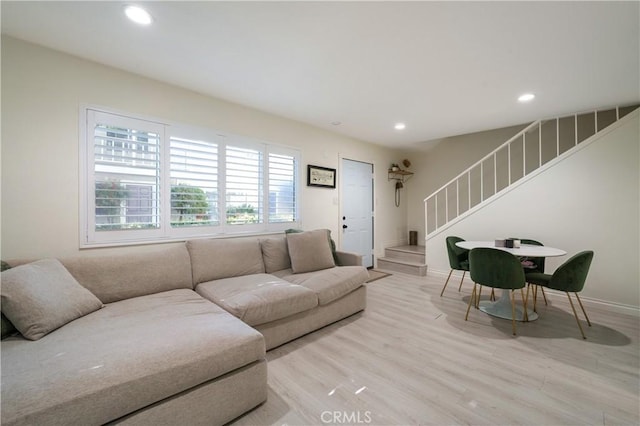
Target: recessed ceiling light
column 400, row 126
column 138, row 15
column 336, row 123
column 526, row 97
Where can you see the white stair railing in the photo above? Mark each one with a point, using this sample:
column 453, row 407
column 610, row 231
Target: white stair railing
column 531, row 148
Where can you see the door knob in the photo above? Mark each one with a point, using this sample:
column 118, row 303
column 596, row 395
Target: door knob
column 344, row 226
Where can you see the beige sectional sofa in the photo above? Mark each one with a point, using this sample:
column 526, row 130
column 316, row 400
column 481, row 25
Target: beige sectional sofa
column 177, row 335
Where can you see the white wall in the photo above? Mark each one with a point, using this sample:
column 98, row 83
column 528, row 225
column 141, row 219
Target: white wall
column 42, row 91
column 588, row 201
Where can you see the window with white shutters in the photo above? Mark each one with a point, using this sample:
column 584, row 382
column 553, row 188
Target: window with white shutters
column 244, row 187
column 126, row 172
column 145, row 181
column 194, row 183
column 123, row 178
column 282, row 188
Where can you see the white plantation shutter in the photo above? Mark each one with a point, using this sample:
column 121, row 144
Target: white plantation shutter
column 282, row 188
column 244, row 188
column 194, row 183
column 124, row 179
column 145, row 181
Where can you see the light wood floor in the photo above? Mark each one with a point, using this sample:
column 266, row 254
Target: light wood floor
column 410, row 358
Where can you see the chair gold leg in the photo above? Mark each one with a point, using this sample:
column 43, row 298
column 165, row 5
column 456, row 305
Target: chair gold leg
column 575, row 314
column 513, row 312
column 493, row 295
column 583, row 311
column 446, row 282
column 524, row 304
column 473, row 294
column 544, row 296
column 477, row 305
column 460, row 286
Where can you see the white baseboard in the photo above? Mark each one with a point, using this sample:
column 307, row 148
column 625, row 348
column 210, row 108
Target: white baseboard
column 604, row 304
column 437, row 272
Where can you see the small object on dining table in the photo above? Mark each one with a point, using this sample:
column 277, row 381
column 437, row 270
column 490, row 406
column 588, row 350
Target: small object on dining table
column 512, row 243
column 501, row 243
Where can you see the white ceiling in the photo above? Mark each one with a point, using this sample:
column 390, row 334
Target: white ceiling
column 443, row 68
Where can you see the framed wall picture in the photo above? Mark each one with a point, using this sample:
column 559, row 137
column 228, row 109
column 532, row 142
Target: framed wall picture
column 322, row 177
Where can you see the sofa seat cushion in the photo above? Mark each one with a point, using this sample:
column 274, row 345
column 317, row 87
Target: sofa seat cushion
column 329, row 284
column 259, row 298
column 123, row 357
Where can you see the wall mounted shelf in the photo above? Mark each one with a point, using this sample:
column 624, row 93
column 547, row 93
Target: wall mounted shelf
column 400, row 175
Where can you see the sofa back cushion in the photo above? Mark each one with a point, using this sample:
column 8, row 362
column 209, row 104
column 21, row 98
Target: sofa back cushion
column 214, row 259
column 118, row 277
column 275, row 254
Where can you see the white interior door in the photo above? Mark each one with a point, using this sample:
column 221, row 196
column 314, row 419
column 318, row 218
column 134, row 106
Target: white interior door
column 357, row 209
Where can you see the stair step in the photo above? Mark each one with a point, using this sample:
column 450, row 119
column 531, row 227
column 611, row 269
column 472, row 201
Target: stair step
column 413, row 254
column 404, row 266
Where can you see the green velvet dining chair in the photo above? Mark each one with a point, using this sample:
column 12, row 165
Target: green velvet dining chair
column 458, row 260
column 538, row 266
column 537, row 261
column 497, row 269
column 570, row 278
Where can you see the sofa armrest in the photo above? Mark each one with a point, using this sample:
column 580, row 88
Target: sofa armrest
column 349, row 259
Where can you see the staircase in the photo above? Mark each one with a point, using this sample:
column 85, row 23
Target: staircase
column 520, row 158
column 537, row 145
column 405, row 259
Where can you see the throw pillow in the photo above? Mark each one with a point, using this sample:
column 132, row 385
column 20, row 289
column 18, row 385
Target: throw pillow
column 42, row 296
column 334, row 252
column 7, row 328
column 310, row 251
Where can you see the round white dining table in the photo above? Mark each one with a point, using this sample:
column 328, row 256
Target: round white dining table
column 501, row 308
